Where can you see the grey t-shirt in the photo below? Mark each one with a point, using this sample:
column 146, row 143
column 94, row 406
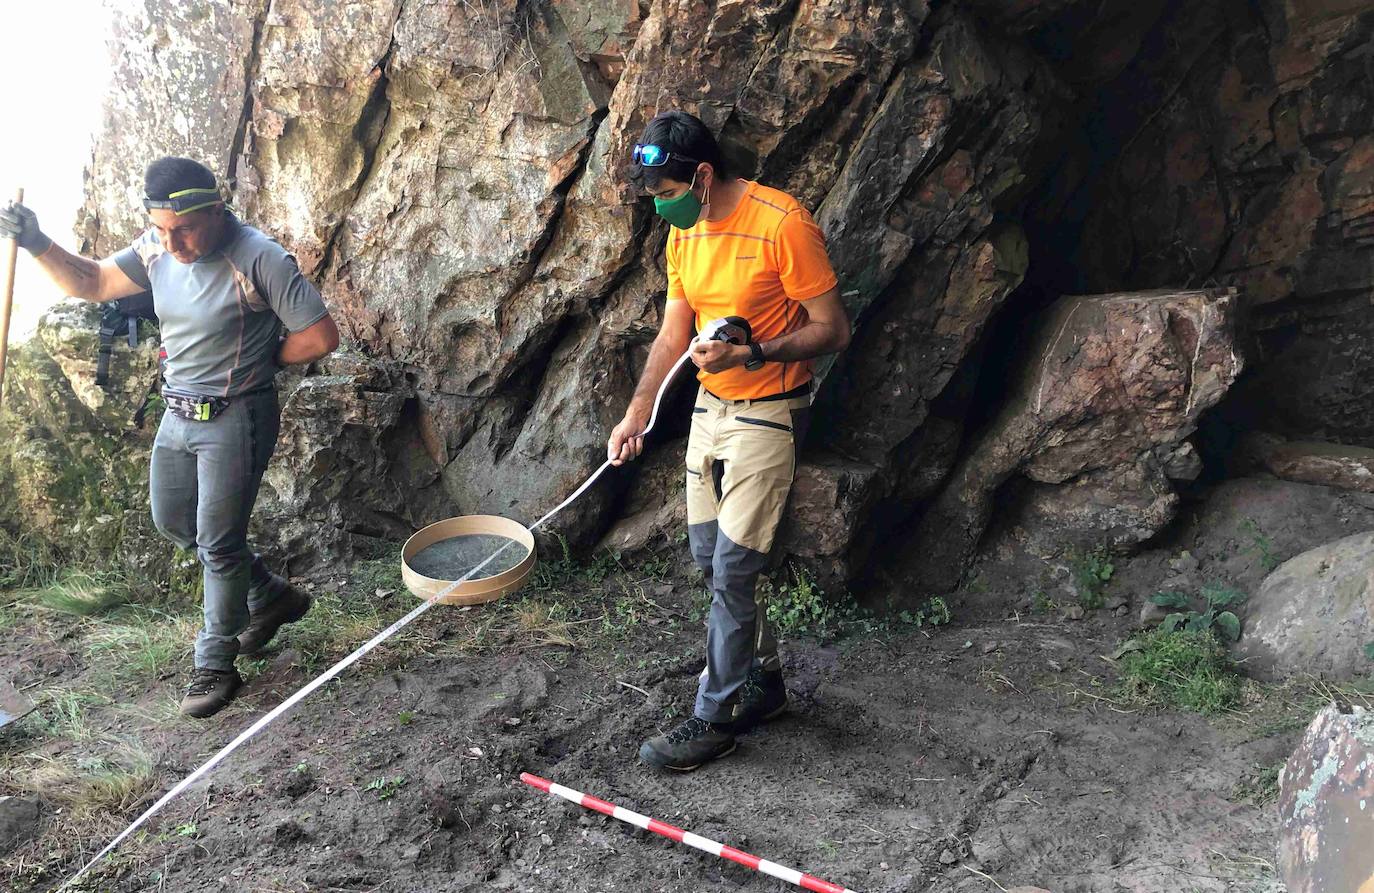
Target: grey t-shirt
column 221, row 317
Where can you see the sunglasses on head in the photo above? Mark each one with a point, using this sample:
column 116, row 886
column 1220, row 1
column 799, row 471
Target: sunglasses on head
column 649, row 155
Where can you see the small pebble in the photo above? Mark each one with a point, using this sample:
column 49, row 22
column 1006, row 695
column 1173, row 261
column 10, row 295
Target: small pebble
column 948, row 858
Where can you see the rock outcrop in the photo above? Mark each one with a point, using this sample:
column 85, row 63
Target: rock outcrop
column 1099, row 422
column 1256, row 169
column 1326, row 805
column 1314, row 615
column 449, row 172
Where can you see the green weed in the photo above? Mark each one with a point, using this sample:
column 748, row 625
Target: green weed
column 1260, row 544
column 1187, row 669
column 1214, row 618
column 933, row 612
column 386, row 788
column 1092, row 571
column 800, row 606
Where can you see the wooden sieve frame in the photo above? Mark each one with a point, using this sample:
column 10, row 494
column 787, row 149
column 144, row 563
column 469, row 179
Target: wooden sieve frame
column 478, row 590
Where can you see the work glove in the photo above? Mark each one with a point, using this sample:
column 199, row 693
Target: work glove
column 20, row 224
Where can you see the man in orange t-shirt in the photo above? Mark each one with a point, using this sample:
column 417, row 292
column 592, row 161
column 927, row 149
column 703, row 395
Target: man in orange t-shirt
column 736, row 249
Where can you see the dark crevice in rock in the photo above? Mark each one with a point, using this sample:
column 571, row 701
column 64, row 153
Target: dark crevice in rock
column 250, row 77
column 368, row 132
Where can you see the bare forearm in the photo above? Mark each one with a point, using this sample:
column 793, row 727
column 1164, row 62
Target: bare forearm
column 77, row 276
column 666, row 350
column 812, row 340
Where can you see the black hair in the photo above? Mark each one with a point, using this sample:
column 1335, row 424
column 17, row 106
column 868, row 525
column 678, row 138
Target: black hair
column 679, row 132
column 171, row 174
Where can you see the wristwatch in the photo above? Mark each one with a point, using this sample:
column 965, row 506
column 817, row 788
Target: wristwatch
column 755, row 361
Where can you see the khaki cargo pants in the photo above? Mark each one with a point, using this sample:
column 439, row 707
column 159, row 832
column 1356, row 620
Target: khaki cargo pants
column 741, row 458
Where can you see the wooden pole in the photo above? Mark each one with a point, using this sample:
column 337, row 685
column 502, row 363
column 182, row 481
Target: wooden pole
column 11, row 262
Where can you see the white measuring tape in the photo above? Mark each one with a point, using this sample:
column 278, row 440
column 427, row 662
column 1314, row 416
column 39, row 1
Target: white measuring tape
column 310, row 687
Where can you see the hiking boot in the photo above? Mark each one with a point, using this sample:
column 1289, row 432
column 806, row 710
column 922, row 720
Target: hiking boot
column 763, row 697
column 685, row 748
column 209, row 691
column 288, row 607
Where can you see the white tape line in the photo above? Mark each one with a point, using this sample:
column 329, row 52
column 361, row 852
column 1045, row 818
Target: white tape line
column 353, row 658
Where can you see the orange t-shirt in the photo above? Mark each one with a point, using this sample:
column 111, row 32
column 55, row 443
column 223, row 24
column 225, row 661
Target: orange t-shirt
column 760, row 263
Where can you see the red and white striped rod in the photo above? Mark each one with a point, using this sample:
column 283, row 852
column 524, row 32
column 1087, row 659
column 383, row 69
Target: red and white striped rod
column 773, row 869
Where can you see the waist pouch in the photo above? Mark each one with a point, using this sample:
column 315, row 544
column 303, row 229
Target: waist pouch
column 197, row 409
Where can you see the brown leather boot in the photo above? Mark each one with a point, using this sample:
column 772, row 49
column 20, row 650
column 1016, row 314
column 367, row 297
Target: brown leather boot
column 210, row 691
column 288, row 607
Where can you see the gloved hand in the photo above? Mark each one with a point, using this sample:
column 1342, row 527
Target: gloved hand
column 19, row 223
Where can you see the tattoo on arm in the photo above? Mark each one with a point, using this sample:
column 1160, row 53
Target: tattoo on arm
column 85, row 269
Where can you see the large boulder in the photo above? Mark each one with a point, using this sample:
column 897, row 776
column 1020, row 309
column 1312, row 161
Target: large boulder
column 1344, row 466
column 1326, row 805
column 1314, row 615
column 1112, row 390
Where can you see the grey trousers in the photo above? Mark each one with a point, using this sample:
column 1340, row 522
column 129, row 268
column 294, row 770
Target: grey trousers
column 203, row 482
column 741, row 460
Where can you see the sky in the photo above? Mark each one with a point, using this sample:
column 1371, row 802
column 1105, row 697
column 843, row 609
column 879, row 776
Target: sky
column 56, row 66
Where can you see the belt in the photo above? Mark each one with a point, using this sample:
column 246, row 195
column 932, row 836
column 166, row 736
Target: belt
column 801, row 390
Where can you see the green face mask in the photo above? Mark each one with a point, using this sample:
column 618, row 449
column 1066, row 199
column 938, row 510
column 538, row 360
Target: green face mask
column 683, row 211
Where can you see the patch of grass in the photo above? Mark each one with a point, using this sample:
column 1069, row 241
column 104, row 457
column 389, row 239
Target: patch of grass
column 141, row 645
column 87, row 785
column 546, row 623
column 27, row 562
column 1187, row 670
column 1259, row 785
column 81, row 594
column 339, row 622
column 63, row 713
column 1289, row 706
column 1092, row 571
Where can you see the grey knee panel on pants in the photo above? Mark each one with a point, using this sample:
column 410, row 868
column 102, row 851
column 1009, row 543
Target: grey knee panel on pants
column 738, row 633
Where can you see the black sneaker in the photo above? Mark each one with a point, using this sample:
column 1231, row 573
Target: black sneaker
column 288, row 607
column 685, row 748
column 210, row 691
column 763, row 697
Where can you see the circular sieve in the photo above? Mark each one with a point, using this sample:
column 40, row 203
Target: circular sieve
column 445, row 551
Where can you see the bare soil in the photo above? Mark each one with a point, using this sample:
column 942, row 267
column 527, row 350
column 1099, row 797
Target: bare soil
column 990, row 751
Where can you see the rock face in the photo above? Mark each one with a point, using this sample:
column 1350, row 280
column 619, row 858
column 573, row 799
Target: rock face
column 1314, row 615
column 1257, row 170
column 1099, row 422
column 1325, row 794
column 449, row 172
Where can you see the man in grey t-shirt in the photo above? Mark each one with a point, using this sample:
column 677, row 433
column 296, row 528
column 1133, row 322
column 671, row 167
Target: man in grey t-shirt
column 225, row 295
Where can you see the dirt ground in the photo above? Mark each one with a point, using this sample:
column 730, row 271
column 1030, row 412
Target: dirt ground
column 994, row 750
